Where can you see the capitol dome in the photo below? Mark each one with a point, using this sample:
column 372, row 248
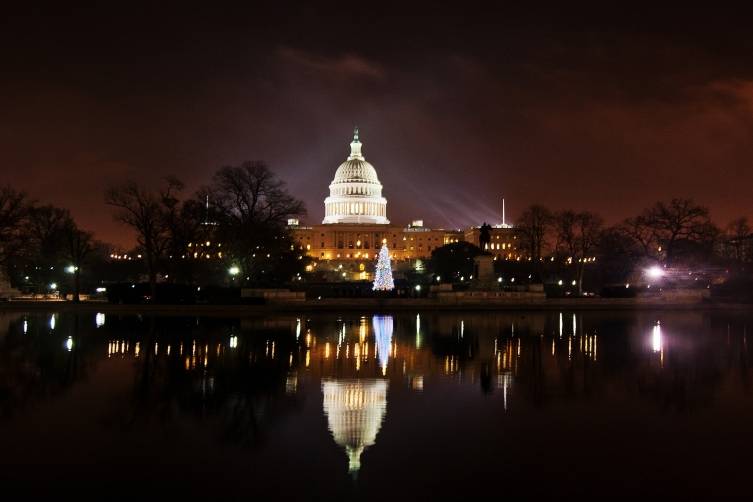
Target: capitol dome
column 355, row 194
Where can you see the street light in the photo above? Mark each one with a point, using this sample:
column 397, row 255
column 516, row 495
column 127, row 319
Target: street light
column 71, row 269
column 234, row 270
column 655, row 272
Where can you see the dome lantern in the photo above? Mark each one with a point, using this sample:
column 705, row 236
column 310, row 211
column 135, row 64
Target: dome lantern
column 355, row 147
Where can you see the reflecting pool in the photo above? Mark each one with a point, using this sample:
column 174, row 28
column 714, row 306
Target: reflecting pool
column 377, row 406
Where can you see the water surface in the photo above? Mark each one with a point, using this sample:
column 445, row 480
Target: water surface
column 377, row 407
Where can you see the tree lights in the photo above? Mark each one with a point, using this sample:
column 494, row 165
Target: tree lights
column 383, row 274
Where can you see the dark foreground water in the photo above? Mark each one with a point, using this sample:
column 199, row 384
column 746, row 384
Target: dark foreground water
column 377, row 407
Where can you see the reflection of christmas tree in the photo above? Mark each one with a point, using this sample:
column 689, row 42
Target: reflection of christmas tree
column 383, row 334
column 383, row 274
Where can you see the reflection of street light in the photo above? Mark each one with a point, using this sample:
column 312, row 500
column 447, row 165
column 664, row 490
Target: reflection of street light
column 234, row 271
column 655, row 272
column 656, row 342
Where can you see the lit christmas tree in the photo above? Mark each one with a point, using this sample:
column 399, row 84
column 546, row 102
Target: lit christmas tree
column 383, row 274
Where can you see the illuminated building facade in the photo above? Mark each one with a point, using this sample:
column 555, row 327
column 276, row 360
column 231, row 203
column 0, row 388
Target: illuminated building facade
column 355, row 225
column 503, row 242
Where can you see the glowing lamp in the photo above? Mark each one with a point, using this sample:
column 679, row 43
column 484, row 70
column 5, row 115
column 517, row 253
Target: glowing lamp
column 655, row 272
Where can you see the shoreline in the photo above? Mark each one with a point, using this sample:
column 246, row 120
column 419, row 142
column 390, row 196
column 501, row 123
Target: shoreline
column 372, row 304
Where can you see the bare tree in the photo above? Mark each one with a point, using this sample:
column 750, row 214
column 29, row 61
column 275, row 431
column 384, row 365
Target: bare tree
column 44, row 231
column 14, row 208
column 533, row 226
column 642, row 234
column 145, row 211
column 578, row 234
column 564, row 231
column 736, row 233
column 252, row 196
column 79, row 244
column 254, row 206
column 676, row 221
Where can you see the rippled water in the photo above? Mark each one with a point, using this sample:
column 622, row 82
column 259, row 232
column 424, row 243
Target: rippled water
column 377, row 407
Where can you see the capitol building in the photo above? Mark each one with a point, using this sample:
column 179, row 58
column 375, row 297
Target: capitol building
column 356, row 224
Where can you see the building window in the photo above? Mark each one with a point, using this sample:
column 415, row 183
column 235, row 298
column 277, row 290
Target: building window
column 322, row 245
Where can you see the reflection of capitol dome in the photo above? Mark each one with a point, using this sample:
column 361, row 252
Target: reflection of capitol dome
column 355, row 195
column 355, row 410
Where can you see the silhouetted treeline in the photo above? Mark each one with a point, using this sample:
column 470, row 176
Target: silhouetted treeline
column 578, row 251
column 233, row 230
column 42, row 248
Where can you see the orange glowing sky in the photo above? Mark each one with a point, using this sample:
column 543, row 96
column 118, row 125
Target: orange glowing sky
column 584, row 108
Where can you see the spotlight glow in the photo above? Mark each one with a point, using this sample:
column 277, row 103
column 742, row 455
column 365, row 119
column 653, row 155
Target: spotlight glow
column 655, row 272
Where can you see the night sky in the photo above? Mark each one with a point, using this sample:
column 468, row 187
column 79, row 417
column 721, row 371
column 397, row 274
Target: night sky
column 580, row 107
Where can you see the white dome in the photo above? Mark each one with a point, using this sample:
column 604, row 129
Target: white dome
column 355, row 194
column 356, row 170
